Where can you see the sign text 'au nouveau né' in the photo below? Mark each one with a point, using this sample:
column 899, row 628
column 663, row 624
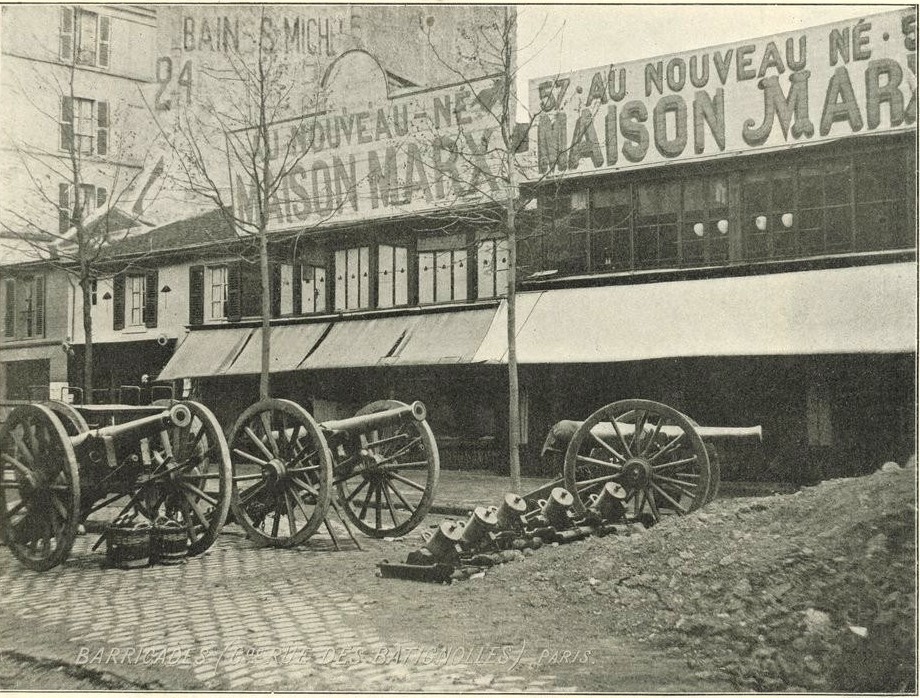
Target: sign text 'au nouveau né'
column 808, row 86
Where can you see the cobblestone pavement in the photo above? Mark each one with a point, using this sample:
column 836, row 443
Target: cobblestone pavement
column 238, row 617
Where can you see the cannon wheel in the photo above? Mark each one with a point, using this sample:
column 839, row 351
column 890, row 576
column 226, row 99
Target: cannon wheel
column 192, row 478
column 39, row 487
column 397, row 467
column 650, row 449
column 282, row 473
column 72, row 420
column 715, row 467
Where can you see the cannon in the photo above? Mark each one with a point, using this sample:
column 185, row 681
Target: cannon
column 167, row 460
column 665, row 461
column 378, row 469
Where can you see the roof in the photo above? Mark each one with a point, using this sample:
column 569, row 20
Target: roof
column 204, row 229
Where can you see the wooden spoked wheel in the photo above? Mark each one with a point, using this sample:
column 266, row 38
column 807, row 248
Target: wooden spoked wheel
column 652, row 450
column 386, row 476
column 72, row 420
column 190, row 477
column 282, row 473
column 39, row 487
column 715, row 467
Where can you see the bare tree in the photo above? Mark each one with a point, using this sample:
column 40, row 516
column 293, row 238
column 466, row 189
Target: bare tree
column 503, row 182
column 79, row 237
column 252, row 123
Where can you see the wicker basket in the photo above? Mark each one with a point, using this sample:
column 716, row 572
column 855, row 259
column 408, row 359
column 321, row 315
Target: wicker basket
column 128, row 544
column 168, row 542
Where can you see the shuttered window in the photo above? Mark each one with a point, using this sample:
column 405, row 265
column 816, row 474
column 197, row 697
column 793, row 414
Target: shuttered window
column 313, row 289
column 84, row 125
column 151, row 296
column 9, row 308
column 85, row 37
column 196, row 295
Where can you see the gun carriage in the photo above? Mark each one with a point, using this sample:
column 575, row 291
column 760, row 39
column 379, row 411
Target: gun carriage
column 378, row 470
column 166, row 460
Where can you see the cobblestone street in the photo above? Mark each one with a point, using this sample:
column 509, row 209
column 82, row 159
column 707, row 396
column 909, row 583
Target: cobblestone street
column 238, row 617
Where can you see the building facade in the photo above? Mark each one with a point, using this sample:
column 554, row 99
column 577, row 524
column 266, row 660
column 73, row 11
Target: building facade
column 73, row 116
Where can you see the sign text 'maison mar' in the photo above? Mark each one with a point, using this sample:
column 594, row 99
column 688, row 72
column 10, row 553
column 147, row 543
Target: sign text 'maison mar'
column 803, row 87
column 418, row 153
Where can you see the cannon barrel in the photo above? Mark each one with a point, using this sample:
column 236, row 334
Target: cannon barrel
column 177, row 415
column 362, row 422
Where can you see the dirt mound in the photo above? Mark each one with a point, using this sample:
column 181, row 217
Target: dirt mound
column 809, row 591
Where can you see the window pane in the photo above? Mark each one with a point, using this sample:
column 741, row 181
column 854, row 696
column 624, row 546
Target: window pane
column 426, row 277
column 460, row 275
column 363, row 273
column 353, row 279
column 485, row 268
column 443, row 276
column 401, row 276
column 385, row 277
column 501, row 267
column 86, row 37
column 341, row 274
column 608, row 198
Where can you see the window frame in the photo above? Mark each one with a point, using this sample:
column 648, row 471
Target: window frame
column 222, row 285
column 135, row 290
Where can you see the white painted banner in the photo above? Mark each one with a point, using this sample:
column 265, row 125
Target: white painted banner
column 802, row 87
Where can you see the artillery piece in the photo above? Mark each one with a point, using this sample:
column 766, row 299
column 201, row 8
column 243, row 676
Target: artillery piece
column 378, row 469
column 664, row 460
column 55, row 472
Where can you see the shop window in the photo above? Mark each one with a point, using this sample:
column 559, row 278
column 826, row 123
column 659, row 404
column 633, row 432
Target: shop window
column 884, row 216
column 392, row 276
column 564, row 232
column 492, row 268
column 84, row 126
column 136, row 299
column 768, row 213
column 705, row 224
column 313, row 285
column 442, row 276
column 611, row 215
column 657, row 218
column 84, row 37
column 352, row 275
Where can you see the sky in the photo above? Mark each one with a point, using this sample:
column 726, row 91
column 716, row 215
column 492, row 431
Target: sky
column 562, row 38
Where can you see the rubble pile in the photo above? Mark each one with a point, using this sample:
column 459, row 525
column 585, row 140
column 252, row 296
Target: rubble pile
column 808, row 591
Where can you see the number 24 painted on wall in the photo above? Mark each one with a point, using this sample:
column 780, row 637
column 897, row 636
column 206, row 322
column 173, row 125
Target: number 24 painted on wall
column 165, row 80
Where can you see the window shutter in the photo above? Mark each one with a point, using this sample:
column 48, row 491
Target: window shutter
column 196, row 295
column 9, row 316
column 67, row 24
column 297, row 289
column 101, row 196
column 274, row 277
column 250, row 290
column 234, row 279
column 39, row 295
column 102, row 130
column 118, row 302
column 63, row 208
column 151, row 294
column 66, row 123
column 104, row 41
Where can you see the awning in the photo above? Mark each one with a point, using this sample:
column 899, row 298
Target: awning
column 205, row 353
column 290, row 345
column 868, row 309
column 447, row 337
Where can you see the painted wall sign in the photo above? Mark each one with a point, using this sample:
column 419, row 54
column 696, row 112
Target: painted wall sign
column 797, row 88
column 359, row 160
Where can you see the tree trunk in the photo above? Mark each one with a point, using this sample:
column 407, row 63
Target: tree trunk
column 264, row 390
column 514, row 405
column 86, row 293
